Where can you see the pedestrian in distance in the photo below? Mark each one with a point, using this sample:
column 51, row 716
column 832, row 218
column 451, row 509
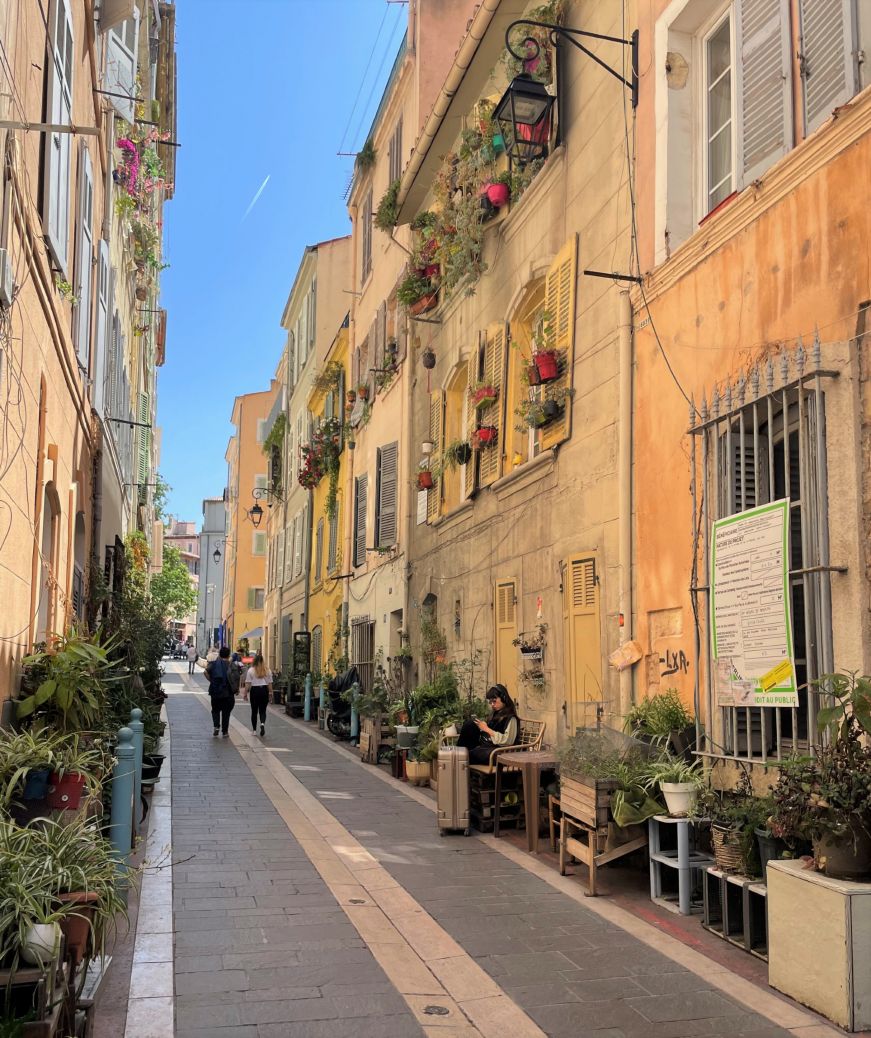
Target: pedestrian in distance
column 500, row 729
column 221, row 693
column 258, row 686
column 192, row 658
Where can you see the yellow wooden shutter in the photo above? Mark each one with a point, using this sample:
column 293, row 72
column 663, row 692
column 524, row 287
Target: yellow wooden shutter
column 584, row 639
column 470, row 482
column 436, row 411
column 490, row 464
column 559, row 304
column 506, row 631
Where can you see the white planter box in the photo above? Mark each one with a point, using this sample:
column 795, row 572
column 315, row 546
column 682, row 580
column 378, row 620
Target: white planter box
column 819, row 942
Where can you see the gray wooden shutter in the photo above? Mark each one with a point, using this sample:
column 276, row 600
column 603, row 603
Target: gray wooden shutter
column 57, row 146
column 319, row 549
column 763, row 82
column 122, row 45
column 332, row 549
column 360, row 503
column 827, row 57
column 386, row 521
column 84, row 259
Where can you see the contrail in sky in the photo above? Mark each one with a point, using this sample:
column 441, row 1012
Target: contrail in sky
column 254, row 199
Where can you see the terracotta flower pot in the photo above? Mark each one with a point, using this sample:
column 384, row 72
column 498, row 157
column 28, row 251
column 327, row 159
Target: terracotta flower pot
column 547, row 364
column 486, row 435
column 65, row 791
column 484, row 396
column 76, row 927
column 424, row 304
column 498, row 194
column 532, row 375
column 424, row 481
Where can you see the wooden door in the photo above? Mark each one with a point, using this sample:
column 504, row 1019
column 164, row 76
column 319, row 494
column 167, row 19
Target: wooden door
column 505, row 613
column 584, row 640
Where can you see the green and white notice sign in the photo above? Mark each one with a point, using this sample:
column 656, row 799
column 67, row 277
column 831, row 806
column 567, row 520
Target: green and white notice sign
column 751, row 625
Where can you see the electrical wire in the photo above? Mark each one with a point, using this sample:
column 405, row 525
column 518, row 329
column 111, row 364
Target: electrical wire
column 388, row 50
column 363, row 78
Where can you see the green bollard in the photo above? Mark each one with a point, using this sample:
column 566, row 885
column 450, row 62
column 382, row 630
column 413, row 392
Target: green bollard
column 121, row 818
column 355, row 717
column 138, row 729
column 307, row 710
column 322, row 704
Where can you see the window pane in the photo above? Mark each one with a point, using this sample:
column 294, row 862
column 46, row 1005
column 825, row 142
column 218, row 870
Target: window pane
column 720, row 168
column 719, row 52
column 719, row 105
column 718, row 87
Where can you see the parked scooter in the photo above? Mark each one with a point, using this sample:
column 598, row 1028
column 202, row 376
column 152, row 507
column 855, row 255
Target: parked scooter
column 339, row 716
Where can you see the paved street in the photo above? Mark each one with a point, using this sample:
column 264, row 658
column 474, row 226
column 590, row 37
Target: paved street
column 313, row 898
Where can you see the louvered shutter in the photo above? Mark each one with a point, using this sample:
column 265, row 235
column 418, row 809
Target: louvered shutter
column 401, row 326
column 332, row 550
column 828, row 57
column 584, row 657
column 290, row 533
column 143, row 434
column 361, row 486
column 490, row 461
column 279, row 562
column 471, row 467
column 252, row 597
column 56, row 165
column 506, row 631
column 101, row 331
column 559, row 307
column 298, row 539
column 763, row 85
column 386, row 520
column 319, row 550
column 380, row 337
column 84, row 258
column 436, row 414
column 122, row 45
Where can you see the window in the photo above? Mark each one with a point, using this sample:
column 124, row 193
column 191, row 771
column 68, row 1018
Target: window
column 260, row 481
column 455, row 418
column 394, row 152
column 84, row 260
column 773, row 447
column 719, row 137
column 290, row 533
column 291, row 362
column 319, row 550
column 56, row 157
column 101, row 331
column 365, row 218
column 255, row 597
column 279, row 560
column 298, row 539
column 258, row 542
column 121, row 53
column 361, row 486
column 363, row 650
column 312, row 310
column 386, row 496
column 332, row 550
column 261, row 430
column 317, row 648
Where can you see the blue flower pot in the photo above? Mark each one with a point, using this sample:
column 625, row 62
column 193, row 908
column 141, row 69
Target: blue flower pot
column 36, row 784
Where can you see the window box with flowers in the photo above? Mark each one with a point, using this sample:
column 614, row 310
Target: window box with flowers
column 532, row 643
column 486, row 436
column 321, row 458
column 483, row 395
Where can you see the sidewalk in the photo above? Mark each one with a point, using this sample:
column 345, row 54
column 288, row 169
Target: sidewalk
column 312, row 897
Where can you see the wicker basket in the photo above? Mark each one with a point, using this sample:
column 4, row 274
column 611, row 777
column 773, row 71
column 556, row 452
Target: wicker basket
column 727, row 849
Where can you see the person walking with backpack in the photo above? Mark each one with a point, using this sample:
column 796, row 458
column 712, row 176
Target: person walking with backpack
column 221, row 692
column 258, row 686
column 192, row 658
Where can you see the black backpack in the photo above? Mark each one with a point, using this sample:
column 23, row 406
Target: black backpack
column 219, row 680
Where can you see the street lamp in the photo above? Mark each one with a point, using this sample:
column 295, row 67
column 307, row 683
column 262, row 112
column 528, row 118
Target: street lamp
column 255, row 514
column 523, row 117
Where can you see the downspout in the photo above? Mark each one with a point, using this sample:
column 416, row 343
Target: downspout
column 407, row 448
column 307, row 559
column 624, row 477
column 39, row 492
column 348, row 565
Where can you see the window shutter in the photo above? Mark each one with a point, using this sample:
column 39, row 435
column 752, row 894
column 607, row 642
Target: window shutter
column 360, row 504
column 317, row 650
column 436, row 412
column 319, row 550
column 84, row 258
column 490, row 461
column 506, row 632
column 380, row 336
column 101, row 331
column 144, row 457
column 828, row 59
column 298, row 543
column 279, row 564
column 259, row 545
column 559, row 306
column 122, row 45
column 386, row 520
column 470, row 468
column 56, row 186
column 584, row 657
column 289, row 536
column 763, row 85
column 252, row 597
column 334, row 542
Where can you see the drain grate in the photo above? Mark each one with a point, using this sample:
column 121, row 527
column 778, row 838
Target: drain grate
column 436, row 1010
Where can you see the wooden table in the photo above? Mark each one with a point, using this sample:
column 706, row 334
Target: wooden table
column 531, row 763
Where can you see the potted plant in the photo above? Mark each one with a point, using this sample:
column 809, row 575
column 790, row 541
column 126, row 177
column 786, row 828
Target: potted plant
column 486, row 436
column 499, row 190
column 417, row 294
column 532, row 643
column 424, row 479
column 483, row 394
column 735, row 816
column 550, row 410
column 351, row 396
column 663, row 719
column 531, row 375
column 427, row 447
column 74, row 769
column 26, row 761
column 70, row 676
column 547, row 363
column 678, row 781
column 428, row 359
column 457, row 453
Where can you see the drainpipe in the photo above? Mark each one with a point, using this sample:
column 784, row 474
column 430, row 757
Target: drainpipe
column 408, row 454
column 624, row 478
column 39, row 496
column 348, row 562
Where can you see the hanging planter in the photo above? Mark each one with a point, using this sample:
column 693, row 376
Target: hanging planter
column 484, row 395
column 424, row 304
column 424, row 480
column 547, row 363
column 463, row 454
column 551, row 410
column 141, row 293
column 498, row 193
column 427, row 447
column 532, row 375
column 428, row 359
column 486, row 436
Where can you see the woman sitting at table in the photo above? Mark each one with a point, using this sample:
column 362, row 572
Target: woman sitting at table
column 501, row 728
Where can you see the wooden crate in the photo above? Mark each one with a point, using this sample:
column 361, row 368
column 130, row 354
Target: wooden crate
column 587, row 800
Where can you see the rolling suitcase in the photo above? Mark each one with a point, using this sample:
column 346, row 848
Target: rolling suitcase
column 453, row 790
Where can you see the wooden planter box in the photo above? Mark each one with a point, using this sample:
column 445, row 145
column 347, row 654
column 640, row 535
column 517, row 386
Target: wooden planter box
column 587, row 800
column 373, row 733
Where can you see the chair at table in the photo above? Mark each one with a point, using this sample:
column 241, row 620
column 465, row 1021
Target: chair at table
column 482, row 777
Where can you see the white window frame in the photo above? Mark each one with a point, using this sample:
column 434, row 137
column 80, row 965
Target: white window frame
column 702, row 136
column 58, row 146
column 261, row 430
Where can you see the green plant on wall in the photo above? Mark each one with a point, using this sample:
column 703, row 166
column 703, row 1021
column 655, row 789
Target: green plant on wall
column 388, row 209
column 366, row 157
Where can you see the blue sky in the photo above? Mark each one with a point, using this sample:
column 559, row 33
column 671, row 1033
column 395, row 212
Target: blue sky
column 265, row 88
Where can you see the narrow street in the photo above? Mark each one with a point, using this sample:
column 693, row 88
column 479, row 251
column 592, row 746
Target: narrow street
column 312, row 897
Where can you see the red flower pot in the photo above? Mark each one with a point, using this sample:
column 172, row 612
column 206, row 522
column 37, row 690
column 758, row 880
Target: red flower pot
column 486, row 435
column 498, row 194
column 547, row 364
column 424, row 481
column 65, row 791
column 484, row 396
column 532, row 375
column 424, row 304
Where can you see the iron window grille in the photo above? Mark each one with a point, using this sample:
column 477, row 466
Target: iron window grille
column 762, row 440
column 363, row 650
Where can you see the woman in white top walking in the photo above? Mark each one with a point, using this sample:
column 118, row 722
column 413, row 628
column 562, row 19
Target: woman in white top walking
column 258, row 687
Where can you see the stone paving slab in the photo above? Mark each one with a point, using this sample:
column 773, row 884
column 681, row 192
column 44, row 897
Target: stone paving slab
column 261, row 948
column 573, row 972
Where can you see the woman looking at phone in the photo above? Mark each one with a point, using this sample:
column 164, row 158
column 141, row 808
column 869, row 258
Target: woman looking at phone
column 501, row 728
